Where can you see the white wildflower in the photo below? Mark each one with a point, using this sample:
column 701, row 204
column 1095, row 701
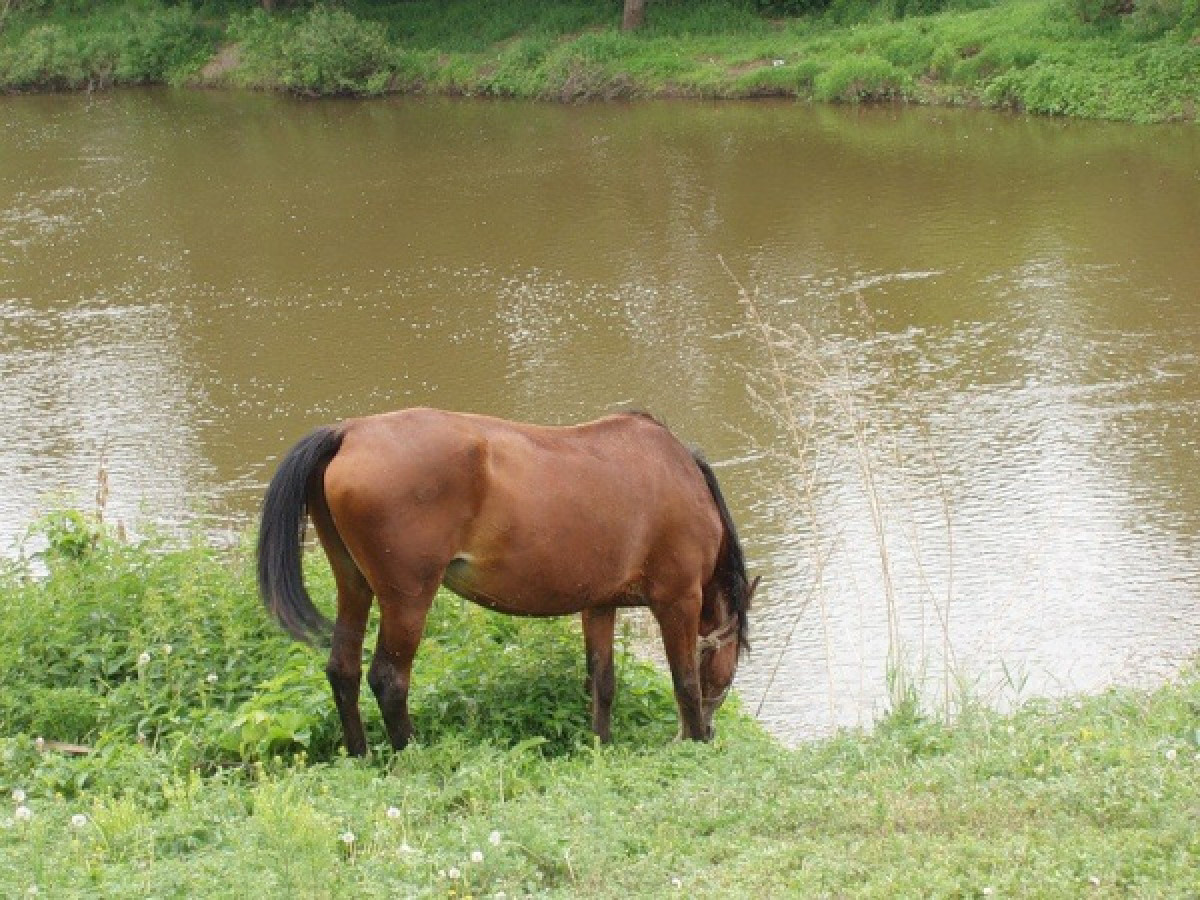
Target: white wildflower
column 476, row 856
column 494, row 839
column 78, row 820
column 23, row 813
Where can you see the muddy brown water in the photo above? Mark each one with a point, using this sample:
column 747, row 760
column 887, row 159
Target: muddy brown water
column 992, row 356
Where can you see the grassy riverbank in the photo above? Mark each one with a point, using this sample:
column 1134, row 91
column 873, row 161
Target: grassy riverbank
column 1062, row 57
column 212, row 768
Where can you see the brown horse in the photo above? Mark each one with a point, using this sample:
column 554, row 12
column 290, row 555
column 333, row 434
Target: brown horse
column 523, row 519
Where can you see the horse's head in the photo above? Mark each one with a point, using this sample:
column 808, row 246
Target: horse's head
column 718, row 651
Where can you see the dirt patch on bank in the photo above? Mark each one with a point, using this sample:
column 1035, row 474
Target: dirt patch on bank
column 217, row 69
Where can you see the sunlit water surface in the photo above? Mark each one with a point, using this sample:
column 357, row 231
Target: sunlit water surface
column 992, row 366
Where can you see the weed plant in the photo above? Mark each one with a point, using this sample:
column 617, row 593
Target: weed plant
column 118, row 646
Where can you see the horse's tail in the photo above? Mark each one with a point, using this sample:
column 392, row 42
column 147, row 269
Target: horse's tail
column 280, row 536
column 731, row 567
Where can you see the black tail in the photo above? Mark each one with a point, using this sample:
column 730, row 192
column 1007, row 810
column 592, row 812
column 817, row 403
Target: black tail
column 731, row 568
column 281, row 535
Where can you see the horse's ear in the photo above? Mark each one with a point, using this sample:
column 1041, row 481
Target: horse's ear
column 753, row 588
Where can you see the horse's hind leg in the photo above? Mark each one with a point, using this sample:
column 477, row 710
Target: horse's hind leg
column 401, row 624
column 598, row 625
column 344, row 668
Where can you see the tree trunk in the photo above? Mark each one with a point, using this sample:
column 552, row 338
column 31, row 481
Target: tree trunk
column 635, row 15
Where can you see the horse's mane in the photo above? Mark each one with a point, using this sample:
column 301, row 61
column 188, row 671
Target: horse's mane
column 731, row 567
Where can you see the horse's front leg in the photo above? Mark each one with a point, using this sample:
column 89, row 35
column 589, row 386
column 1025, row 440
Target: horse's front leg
column 598, row 626
column 679, row 620
column 401, row 624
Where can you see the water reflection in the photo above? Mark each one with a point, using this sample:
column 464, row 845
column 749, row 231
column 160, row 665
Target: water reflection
column 999, row 397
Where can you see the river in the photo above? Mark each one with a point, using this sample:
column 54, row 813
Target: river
column 967, row 452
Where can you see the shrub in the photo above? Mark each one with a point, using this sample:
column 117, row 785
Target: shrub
column 328, row 51
column 860, row 78
column 1098, row 11
column 43, row 56
column 518, row 71
column 160, row 44
column 1151, row 18
column 909, row 50
column 128, row 44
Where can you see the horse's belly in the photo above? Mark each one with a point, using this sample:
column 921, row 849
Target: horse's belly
column 537, row 592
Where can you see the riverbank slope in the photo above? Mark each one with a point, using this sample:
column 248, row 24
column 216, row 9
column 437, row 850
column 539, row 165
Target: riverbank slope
column 159, row 736
column 1133, row 61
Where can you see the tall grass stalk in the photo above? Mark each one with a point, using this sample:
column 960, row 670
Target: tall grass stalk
column 808, row 386
column 774, row 343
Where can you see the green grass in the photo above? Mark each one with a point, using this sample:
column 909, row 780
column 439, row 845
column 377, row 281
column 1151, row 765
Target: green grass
column 1058, row 57
column 213, row 768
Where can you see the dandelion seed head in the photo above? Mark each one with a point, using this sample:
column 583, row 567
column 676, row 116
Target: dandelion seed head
column 1170, row 753
column 346, row 837
column 167, row 649
column 78, row 820
column 33, row 890
column 393, row 812
column 677, row 883
column 476, row 856
column 453, row 874
column 143, row 658
column 211, row 677
column 18, row 795
column 39, row 743
column 23, row 813
column 494, row 838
